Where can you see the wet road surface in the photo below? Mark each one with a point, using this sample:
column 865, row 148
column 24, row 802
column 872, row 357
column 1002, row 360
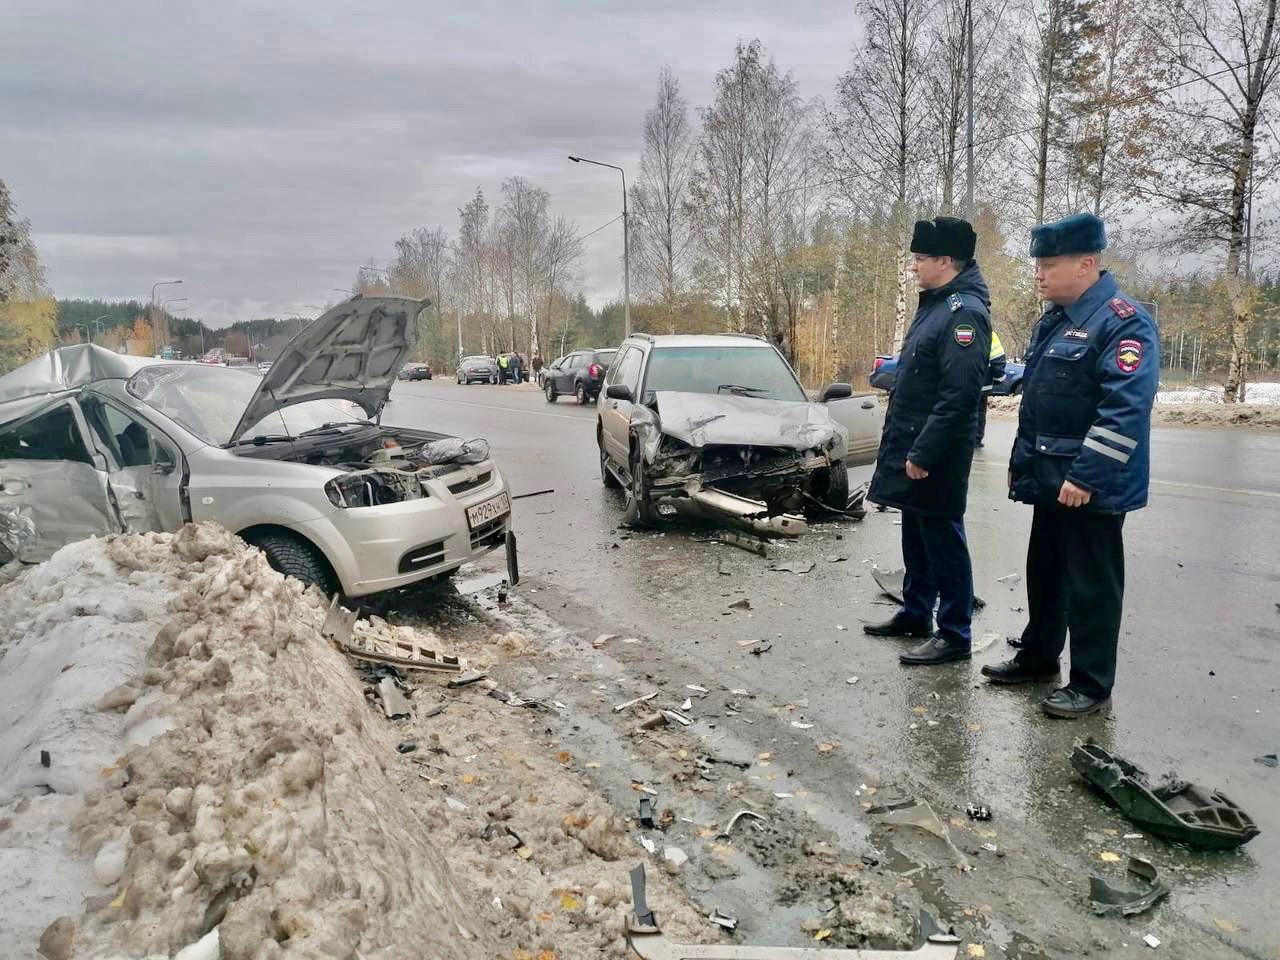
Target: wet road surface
column 1197, row 681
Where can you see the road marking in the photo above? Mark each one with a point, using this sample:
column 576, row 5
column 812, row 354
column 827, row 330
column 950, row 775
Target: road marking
column 490, row 406
column 1269, row 494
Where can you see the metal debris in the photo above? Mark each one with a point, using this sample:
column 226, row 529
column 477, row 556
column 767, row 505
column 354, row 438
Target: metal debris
column 618, row 708
column 918, row 814
column 744, row 542
column 338, row 623
column 535, row 493
column 723, row 920
column 728, row 827
column 466, row 679
column 646, row 813
column 679, row 718
column 1106, row 899
column 394, row 703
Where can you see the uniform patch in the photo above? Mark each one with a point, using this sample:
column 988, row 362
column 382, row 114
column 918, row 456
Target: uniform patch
column 1077, row 334
column 1128, row 355
column 955, row 302
column 964, row 334
column 1122, row 308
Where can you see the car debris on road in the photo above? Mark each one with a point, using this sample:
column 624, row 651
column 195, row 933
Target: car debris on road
column 1107, row 899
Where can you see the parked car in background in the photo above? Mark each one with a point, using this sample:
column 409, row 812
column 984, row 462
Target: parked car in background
column 295, row 462
column 579, row 374
column 884, row 374
column 414, row 371
column 723, row 421
column 477, row 370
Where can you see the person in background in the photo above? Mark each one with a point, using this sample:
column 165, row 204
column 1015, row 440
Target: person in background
column 995, row 374
column 503, row 367
column 1082, row 460
column 926, row 450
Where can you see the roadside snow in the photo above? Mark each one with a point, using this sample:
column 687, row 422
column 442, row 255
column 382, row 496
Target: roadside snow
column 1260, row 393
column 220, row 787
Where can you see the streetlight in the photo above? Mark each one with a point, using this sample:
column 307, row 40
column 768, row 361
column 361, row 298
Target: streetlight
column 626, row 244
column 151, row 310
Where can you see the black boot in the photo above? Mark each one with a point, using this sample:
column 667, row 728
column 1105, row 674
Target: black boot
column 899, row 625
column 1069, row 704
column 1019, row 671
column 937, row 649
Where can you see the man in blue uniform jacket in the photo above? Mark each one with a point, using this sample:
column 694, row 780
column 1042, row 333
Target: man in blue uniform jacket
column 1082, row 459
column 926, row 448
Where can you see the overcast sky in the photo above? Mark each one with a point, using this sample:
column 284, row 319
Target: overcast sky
column 261, row 152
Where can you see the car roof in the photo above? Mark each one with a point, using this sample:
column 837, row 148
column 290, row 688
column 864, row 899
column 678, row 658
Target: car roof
column 700, row 340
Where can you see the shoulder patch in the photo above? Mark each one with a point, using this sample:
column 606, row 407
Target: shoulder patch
column 955, row 302
column 1129, row 355
column 964, row 334
column 1122, row 308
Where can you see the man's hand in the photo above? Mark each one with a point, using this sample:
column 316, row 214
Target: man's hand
column 1072, row 496
column 916, row 473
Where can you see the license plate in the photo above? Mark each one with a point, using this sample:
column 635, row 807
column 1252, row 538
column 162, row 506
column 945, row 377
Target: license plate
column 488, row 511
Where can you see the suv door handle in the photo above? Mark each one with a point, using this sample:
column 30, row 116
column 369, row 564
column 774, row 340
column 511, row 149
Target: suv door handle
column 868, row 404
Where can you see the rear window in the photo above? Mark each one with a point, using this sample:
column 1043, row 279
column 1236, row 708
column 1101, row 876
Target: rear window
column 605, row 357
column 748, row 371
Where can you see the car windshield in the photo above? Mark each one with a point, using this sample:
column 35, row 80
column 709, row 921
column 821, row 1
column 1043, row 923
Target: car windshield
column 209, row 402
column 605, row 357
column 746, row 371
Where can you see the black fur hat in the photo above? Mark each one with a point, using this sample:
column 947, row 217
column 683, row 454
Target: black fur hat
column 1078, row 233
column 944, row 237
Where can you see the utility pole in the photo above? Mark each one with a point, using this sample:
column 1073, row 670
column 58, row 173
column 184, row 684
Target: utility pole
column 968, row 184
column 626, row 244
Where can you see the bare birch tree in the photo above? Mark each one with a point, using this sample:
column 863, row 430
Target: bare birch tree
column 1213, row 144
column 525, row 223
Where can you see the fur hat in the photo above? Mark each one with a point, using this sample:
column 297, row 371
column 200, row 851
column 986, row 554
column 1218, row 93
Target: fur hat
column 1078, row 233
column 944, row 237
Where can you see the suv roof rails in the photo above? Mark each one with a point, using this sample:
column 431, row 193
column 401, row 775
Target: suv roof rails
column 731, row 333
column 642, row 336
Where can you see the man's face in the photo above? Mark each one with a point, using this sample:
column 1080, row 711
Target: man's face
column 1063, row 279
column 931, row 272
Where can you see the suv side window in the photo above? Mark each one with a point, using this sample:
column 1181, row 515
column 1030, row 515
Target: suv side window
column 612, row 376
column 627, row 370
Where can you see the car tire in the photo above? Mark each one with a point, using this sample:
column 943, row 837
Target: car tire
column 550, row 391
column 1015, row 389
column 836, row 496
column 493, row 380
column 580, row 393
column 295, row 557
column 640, row 511
column 607, row 477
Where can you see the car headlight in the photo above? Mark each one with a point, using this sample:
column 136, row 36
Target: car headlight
column 371, row 488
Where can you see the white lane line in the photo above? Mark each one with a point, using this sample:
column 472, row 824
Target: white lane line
column 1269, row 494
column 490, row 406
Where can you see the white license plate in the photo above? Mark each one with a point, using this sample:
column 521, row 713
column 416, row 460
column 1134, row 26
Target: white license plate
column 491, row 509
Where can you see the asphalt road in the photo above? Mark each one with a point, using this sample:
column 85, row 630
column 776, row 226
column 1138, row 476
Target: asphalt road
column 1197, row 687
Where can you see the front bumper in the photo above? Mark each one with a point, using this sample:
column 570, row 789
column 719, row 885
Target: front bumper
column 393, row 545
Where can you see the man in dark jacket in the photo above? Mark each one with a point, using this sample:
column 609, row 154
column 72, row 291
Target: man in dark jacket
column 1082, row 458
column 926, row 449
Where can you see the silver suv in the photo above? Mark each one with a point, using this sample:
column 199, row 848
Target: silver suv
column 723, row 422
column 294, row 460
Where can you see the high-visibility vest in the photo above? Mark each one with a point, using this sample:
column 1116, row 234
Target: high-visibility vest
column 997, row 348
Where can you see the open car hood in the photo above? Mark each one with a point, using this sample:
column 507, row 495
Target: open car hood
column 351, row 352
column 701, row 419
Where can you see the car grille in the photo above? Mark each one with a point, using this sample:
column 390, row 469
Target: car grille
column 490, row 534
column 462, row 486
column 419, row 558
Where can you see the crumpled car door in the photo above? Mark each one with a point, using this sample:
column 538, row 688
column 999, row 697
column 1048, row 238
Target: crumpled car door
column 53, row 491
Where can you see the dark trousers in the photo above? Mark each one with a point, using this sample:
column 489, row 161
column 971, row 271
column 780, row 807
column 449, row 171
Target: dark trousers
column 1075, row 583
column 982, row 417
column 936, row 555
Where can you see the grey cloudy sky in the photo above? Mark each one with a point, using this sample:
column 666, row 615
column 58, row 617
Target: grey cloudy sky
column 262, row 151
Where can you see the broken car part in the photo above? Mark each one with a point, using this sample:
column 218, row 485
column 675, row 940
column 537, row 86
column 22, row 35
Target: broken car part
column 394, row 703
column 396, row 651
column 646, row 813
column 1173, row 809
column 646, row 939
column 723, row 920
column 468, row 678
column 918, row 814
column 339, row 623
column 535, row 493
column 977, row 812
column 891, row 584
column 743, row 541
column 1267, row 760
column 1106, row 899
column 728, row 827
column 618, row 708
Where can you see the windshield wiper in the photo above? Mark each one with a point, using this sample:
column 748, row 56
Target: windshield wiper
column 336, row 427
column 261, row 439
column 739, row 389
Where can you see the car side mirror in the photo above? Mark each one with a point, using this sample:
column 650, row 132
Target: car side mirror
column 836, row 391
column 619, row 391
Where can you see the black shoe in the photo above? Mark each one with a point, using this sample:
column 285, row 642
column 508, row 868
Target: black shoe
column 1019, row 671
column 935, row 650
column 899, row 625
column 1069, row 704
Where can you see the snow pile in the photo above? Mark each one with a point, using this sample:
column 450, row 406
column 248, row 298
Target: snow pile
column 1254, row 393
column 220, row 787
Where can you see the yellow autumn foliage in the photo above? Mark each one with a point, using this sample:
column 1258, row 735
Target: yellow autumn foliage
column 28, row 328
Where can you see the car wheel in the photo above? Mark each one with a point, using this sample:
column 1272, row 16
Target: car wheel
column 580, row 392
column 550, row 391
column 1015, row 389
column 493, row 380
column 640, row 511
column 295, row 557
column 837, row 494
column 606, row 475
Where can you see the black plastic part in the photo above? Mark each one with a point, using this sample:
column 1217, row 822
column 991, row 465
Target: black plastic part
column 513, row 560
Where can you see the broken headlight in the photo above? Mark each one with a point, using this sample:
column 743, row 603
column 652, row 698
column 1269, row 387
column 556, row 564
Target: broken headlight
column 372, row 488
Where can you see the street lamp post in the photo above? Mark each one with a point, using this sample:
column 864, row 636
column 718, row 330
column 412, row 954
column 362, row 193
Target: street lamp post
column 626, row 244
column 151, row 310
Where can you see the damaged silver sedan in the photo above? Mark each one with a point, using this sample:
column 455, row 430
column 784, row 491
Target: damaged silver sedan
column 722, row 423
column 294, row 461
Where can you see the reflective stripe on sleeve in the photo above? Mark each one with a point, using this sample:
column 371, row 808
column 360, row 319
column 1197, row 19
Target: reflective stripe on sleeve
column 1093, row 444
column 1118, row 438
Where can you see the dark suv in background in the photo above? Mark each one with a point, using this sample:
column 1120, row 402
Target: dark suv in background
column 579, row 374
